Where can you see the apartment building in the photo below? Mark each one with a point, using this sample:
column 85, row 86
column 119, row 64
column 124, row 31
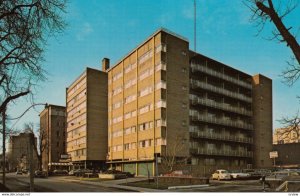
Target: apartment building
column 286, row 135
column 53, row 135
column 86, row 100
column 167, row 101
column 19, row 152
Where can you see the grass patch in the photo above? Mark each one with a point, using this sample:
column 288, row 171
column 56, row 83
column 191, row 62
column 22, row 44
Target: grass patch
column 152, row 185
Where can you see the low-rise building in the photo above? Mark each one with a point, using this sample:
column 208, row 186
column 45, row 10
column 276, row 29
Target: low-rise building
column 18, row 152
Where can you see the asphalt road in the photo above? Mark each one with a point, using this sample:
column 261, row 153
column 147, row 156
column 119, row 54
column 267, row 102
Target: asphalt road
column 230, row 186
column 20, row 183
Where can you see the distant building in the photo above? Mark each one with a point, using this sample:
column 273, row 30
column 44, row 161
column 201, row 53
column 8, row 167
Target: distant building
column 285, row 136
column 86, row 100
column 53, row 133
column 288, row 155
column 18, row 152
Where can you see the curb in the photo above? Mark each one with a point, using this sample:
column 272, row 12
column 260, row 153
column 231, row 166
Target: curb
column 188, row 187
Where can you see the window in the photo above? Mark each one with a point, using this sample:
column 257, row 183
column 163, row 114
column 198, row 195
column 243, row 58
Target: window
column 183, row 70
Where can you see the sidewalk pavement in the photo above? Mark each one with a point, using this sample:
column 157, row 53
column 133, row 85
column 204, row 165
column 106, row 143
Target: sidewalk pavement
column 117, row 184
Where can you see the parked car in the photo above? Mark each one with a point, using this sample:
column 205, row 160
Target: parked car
column 80, row 172
column 40, row 174
column 221, row 174
column 19, row 172
column 25, row 171
column 113, row 171
column 60, row 172
column 254, row 174
column 236, row 174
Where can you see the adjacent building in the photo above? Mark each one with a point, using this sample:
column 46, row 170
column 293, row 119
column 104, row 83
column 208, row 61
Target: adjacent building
column 19, row 152
column 167, row 101
column 286, row 135
column 86, row 107
column 288, row 155
column 53, row 135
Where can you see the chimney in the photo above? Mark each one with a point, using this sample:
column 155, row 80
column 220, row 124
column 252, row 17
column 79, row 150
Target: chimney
column 105, row 64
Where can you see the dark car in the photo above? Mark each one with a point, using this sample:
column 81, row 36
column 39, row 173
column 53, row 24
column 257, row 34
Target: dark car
column 60, row 172
column 113, row 171
column 80, row 172
column 19, row 172
column 40, row 174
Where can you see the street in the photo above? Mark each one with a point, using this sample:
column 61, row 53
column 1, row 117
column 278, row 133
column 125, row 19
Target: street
column 229, row 186
column 20, row 183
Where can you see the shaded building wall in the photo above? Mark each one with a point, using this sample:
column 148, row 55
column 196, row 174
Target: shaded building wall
column 288, row 155
column 262, row 120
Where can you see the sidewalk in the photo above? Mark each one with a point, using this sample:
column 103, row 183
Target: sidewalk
column 117, row 184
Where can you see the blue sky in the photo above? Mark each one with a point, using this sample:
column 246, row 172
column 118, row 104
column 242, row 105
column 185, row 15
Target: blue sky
column 98, row 28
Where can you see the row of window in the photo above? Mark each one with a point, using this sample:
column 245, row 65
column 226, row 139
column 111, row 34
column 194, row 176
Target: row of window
column 144, row 57
column 76, row 109
column 76, row 142
column 77, row 120
column 145, row 91
column 76, row 131
column 77, row 86
column 141, row 110
column 76, row 153
column 141, row 127
column 77, row 97
column 142, row 144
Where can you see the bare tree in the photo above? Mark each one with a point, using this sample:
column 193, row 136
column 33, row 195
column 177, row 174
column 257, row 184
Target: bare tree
column 291, row 127
column 170, row 159
column 266, row 11
column 25, row 26
column 41, row 144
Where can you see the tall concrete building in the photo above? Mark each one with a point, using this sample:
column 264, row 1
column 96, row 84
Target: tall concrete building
column 53, row 135
column 86, row 100
column 167, row 101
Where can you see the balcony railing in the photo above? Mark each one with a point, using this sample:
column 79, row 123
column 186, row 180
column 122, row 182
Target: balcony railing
column 221, row 152
column 195, row 100
column 201, row 68
column 161, row 85
column 161, row 104
column 161, row 66
column 220, row 121
column 203, row 85
column 221, row 137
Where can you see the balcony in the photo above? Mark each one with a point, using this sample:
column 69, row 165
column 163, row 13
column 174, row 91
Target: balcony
column 161, row 66
column 161, row 85
column 195, row 100
column 221, row 152
column 222, row 137
column 197, row 84
column 161, row 104
column 195, row 116
column 201, row 68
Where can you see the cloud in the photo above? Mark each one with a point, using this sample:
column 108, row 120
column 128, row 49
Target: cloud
column 85, row 30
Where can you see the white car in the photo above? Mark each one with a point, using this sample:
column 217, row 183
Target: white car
column 221, row 174
column 239, row 175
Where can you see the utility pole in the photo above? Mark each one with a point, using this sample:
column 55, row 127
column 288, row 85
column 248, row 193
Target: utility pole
column 156, row 166
column 31, row 140
column 195, row 29
column 3, row 148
